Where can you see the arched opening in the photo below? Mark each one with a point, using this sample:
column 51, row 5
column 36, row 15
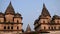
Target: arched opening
column 11, row 27
column 4, row 27
column 44, row 27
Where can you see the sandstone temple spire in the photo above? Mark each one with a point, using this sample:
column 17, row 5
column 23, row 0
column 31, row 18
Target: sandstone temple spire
column 10, row 9
column 45, row 11
column 28, row 29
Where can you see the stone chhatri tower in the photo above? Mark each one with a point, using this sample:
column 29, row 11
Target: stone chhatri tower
column 45, row 23
column 10, row 22
column 43, row 19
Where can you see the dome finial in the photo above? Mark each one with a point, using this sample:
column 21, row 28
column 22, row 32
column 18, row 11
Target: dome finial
column 44, row 5
column 10, row 3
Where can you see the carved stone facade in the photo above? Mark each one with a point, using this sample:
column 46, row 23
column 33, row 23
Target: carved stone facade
column 47, row 24
column 10, row 22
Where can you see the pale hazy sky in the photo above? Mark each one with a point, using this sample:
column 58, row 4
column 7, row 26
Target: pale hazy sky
column 31, row 9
